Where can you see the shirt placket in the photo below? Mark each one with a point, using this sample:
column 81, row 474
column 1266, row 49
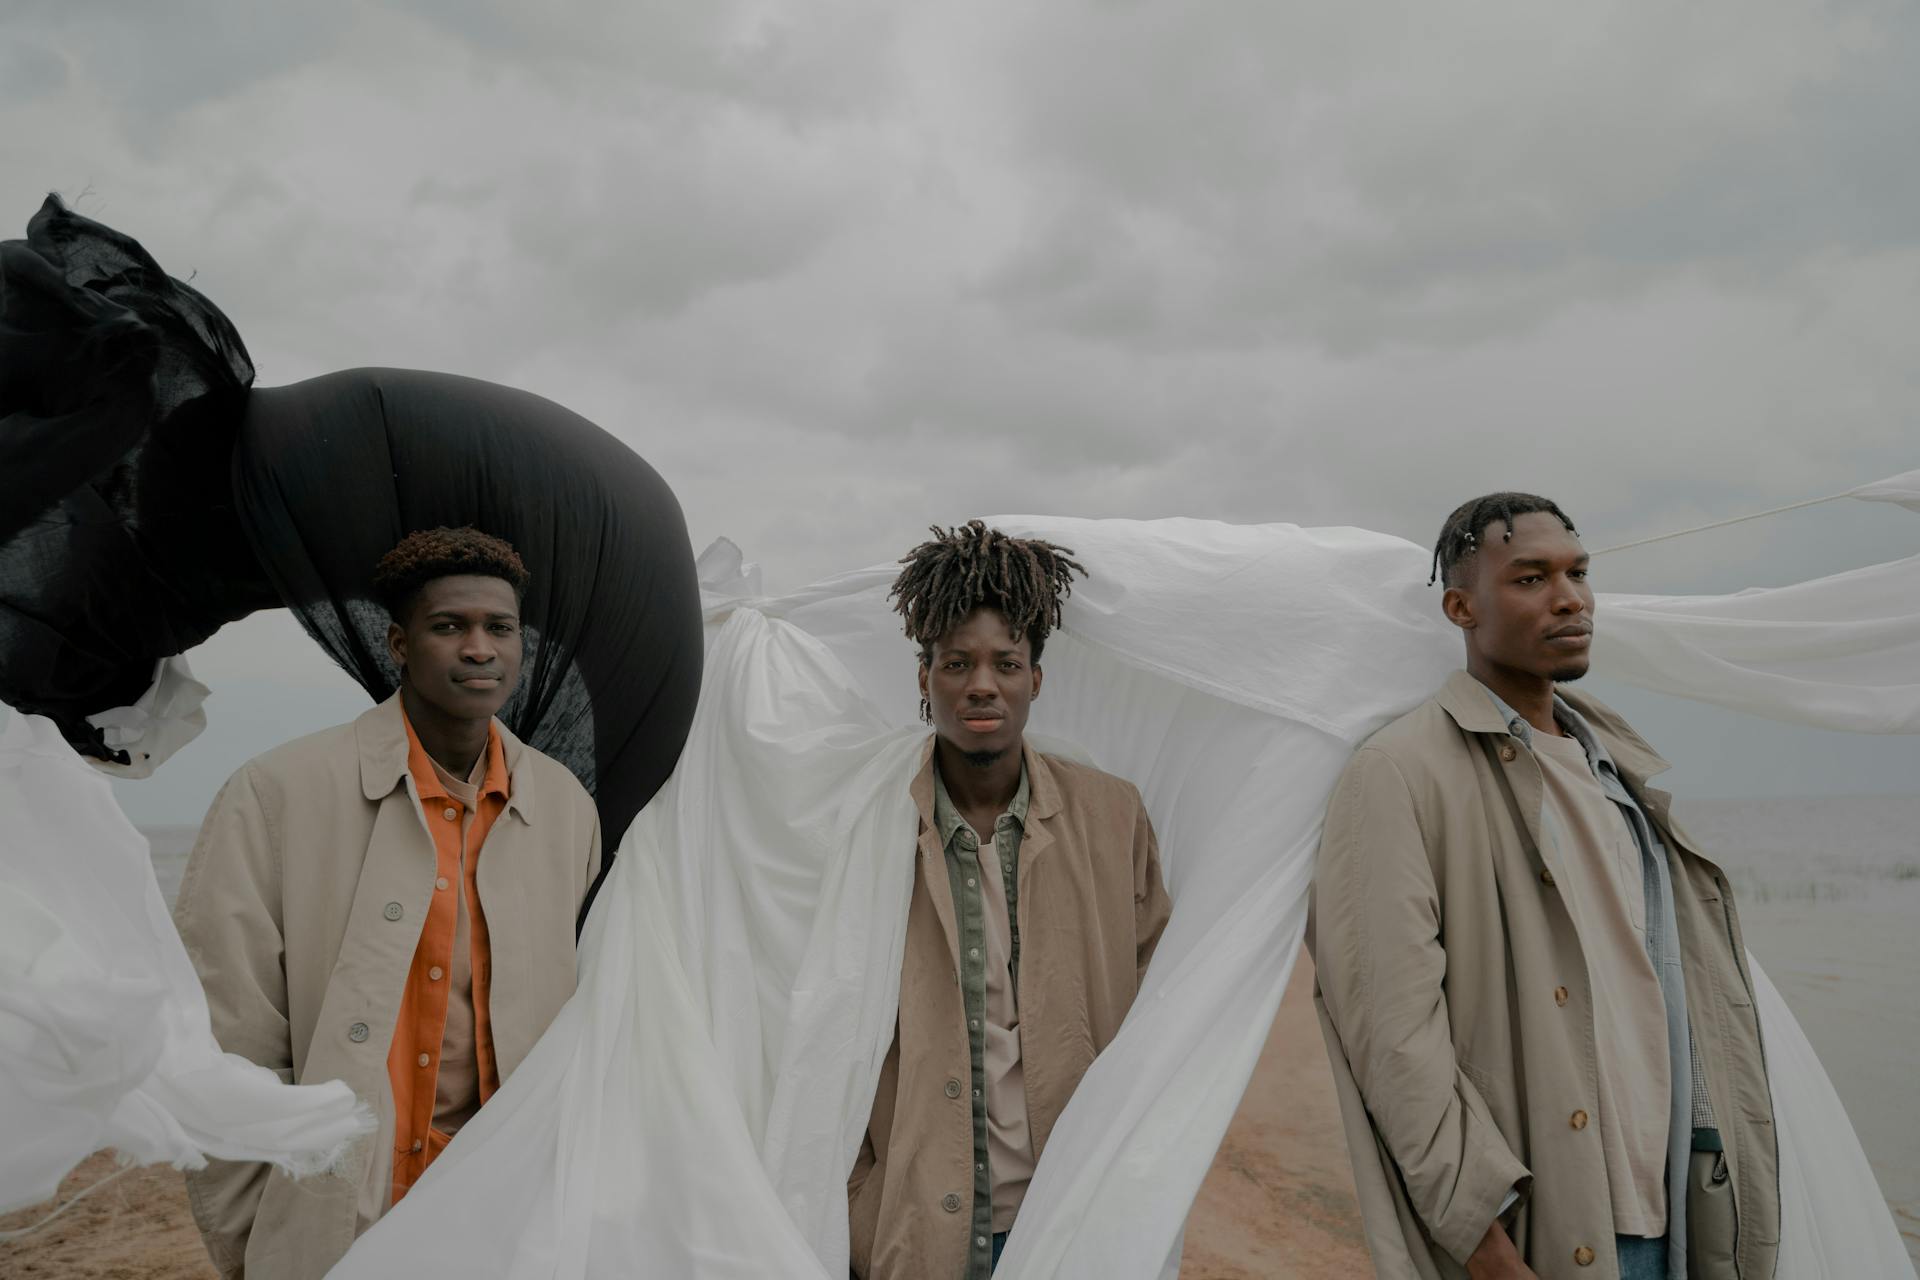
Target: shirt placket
column 970, row 909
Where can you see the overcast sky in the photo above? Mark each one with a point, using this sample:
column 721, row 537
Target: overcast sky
column 842, row 269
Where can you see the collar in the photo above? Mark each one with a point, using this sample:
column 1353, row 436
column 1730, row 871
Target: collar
column 1572, row 721
column 384, row 740
column 426, row 774
column 946, row 817
column 1042, row 798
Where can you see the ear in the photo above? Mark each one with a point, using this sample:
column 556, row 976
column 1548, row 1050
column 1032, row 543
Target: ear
column 923, row 679
column 397, row 644
column 1037, row 674
column 1457, row 604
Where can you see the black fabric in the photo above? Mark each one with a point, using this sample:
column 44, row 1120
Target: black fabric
column 331, row 472
column 120, row 393
column 147, row 497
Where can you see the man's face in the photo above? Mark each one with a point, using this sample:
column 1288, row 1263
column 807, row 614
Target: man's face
column 980, row 682
column 460, row 645
column 1525, row 604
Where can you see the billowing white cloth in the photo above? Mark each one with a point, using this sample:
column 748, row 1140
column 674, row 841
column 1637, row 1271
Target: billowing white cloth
column 163, row 719
column 1903, row 489
column 104, row 1033
column 696, row 1107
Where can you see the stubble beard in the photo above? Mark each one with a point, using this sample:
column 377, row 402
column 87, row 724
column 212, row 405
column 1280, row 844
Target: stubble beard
column 982, row 759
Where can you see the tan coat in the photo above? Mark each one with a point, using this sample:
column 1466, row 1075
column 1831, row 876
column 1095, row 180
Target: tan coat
column 1458, row 1011
column 301, row 907
column 1091, row 909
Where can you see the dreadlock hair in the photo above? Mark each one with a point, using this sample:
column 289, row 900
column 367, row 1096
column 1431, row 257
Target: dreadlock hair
column 1460, row 536
column 962, row 569
column 426, row 554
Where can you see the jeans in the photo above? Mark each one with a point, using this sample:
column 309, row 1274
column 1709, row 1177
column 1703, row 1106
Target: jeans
column 999, row 1243
column 1641, row 1258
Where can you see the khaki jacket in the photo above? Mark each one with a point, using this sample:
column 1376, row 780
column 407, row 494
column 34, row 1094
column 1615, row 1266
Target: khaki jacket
column 301, row 908
column 1091, row 908
column 1441, row 944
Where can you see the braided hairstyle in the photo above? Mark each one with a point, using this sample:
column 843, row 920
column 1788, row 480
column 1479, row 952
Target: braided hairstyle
column 960, row 570
column 1460, row 536
column 426, row 554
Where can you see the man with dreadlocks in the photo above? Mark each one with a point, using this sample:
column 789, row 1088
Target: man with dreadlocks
column 346, row 925
column 1036, row 905
column 1531, row 980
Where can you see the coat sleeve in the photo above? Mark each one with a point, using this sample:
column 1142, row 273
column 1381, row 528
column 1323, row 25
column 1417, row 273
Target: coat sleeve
column 1382, row 969
column 1151, row 906
column 228, row 913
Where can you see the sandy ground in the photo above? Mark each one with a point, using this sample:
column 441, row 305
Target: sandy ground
column 1278, row 1202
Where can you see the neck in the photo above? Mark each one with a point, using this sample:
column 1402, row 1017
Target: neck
column 977, row 788
column 455, row 745
column 1530, row 695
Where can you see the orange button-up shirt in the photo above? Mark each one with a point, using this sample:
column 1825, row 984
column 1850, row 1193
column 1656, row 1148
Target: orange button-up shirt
column 413, row 1063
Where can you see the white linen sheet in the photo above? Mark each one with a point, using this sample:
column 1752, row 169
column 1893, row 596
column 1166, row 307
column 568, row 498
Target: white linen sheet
column 696, row 1106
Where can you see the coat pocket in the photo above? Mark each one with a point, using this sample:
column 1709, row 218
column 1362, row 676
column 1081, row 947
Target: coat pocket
column 1713, row 1228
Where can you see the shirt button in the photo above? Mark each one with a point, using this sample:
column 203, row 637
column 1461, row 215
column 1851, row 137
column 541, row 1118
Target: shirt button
column 1507, row 753
column 1546, row 877
column 1559, row 995
column 434, row 973
column 440, row 883
column 976, row 1093
column 972, row 883
column 394, row 911
column 973, row 1023
column 451, row 813
column 953, row 1088
column 1583, row 1257
column 973, row 953
column 418, row 1145
column 357, row 1032
column 980, row 1241
column 950, row 1202
column 423, row 1059
column 1578, row 1119
column 980, row 1167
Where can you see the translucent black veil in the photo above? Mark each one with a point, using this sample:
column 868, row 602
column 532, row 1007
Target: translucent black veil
column 149, row 495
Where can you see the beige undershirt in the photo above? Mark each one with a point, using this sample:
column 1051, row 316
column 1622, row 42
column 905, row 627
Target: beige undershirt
column 456, row 1094
column 1607, row 896
column 1009, row 1143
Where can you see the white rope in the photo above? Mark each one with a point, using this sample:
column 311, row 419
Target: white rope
column 1721, row 524
column 21, row 1233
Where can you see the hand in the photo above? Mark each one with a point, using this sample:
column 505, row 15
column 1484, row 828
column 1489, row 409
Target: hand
column 1495, row 1258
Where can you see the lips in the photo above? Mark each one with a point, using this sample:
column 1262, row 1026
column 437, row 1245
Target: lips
column 486, row 681
column 1570, row 637
column 981, row 721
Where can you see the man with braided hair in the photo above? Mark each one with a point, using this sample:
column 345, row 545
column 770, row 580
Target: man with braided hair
column 1037, row 902
column 1531, row 980
column 390, row 903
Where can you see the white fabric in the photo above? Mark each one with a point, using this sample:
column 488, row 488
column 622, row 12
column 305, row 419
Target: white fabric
column 1903, row 489
column 696, row 1107
column 104, row 1033
column 161, row 720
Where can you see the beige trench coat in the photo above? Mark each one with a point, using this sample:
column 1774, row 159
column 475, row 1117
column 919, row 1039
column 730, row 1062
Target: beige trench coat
column 1441, row 943
column 301, row 908
column 1091, row 908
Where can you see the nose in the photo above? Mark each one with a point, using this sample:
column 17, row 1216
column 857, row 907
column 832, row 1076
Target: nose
column 477, row 646
column 1567, row 596
column 980, row 685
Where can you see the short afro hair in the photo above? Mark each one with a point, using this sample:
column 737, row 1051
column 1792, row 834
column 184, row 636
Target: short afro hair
column 427, row 554
column 1460, row 536
column 963, row 569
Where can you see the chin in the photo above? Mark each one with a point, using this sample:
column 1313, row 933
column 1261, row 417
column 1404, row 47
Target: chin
column 1567, row 675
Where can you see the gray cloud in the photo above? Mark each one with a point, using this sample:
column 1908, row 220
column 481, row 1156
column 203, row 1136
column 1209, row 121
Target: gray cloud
column 845, row 269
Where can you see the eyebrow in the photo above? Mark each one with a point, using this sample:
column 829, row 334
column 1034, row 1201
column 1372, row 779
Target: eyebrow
column 459, row 615
column 1579, row 562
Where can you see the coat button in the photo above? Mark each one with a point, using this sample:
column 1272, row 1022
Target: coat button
column 1578, row 1119
column 1546, row 877
column 394, row 911
column 440, row 883
column 435, row 974
column 1583, row 1257
column 1507, row 753
column 451, row 813
column 953, row 1088
column 1559, row 995
column 357, row 1032
column 950, row 1202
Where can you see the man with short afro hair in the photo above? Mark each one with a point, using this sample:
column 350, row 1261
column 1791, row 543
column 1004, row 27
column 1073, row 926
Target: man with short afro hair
column 390, row 903
column 1037, row 902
